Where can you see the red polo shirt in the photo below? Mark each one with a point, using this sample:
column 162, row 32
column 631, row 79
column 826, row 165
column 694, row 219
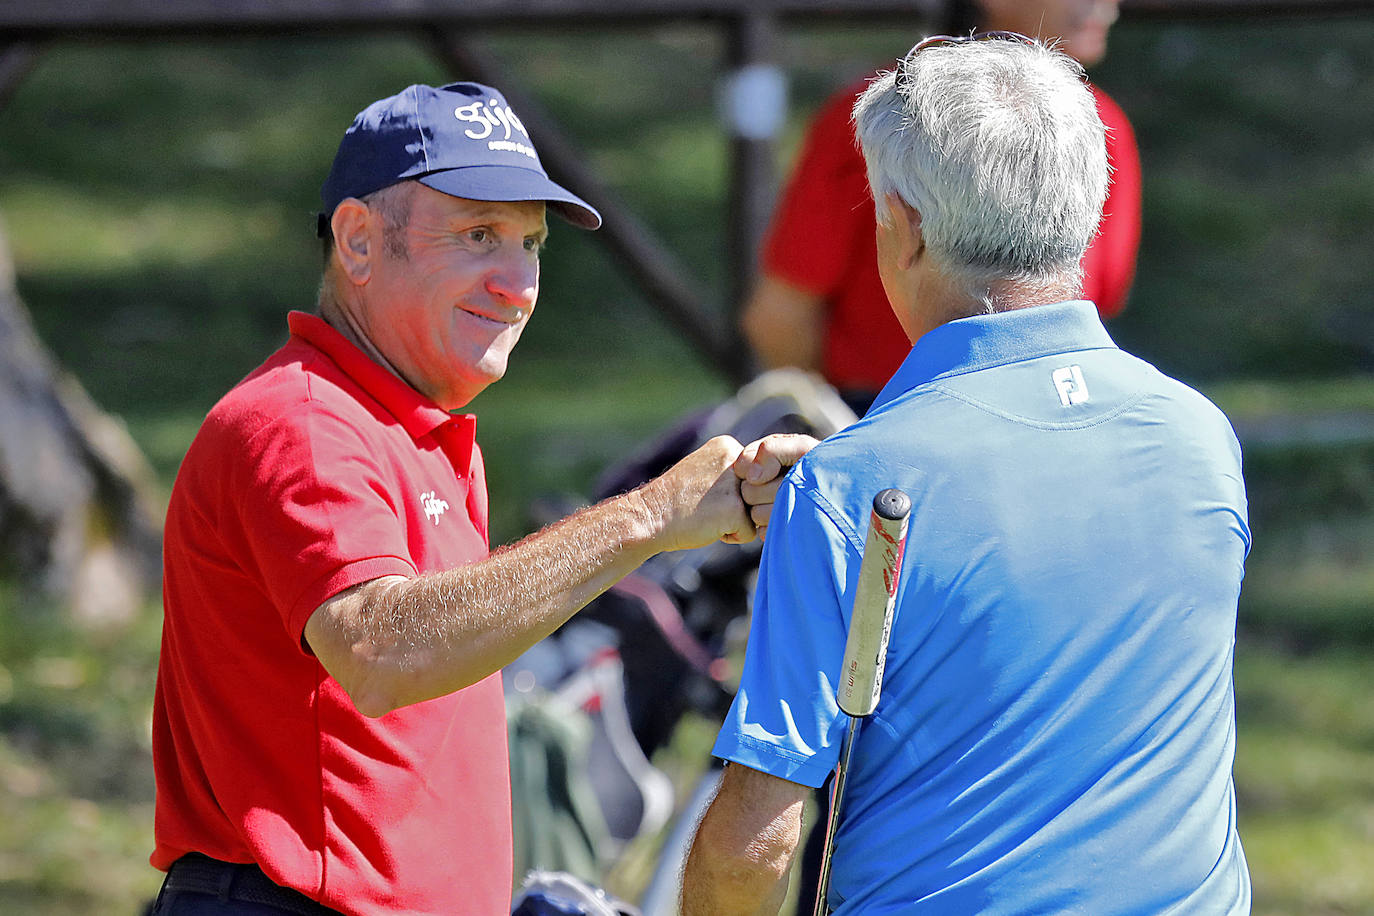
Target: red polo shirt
column 822, row 240
column 319, row 471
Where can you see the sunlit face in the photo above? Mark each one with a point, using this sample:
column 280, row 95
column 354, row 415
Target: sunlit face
column 1081, row 25
column 447, row 311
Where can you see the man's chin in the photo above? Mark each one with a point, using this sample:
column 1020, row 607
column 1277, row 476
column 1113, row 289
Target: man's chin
column 464, row 391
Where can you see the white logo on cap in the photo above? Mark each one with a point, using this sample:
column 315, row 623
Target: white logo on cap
column 513, row 147
column 488, row 117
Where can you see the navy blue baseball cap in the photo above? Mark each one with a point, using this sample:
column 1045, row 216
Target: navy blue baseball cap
column 462, row 139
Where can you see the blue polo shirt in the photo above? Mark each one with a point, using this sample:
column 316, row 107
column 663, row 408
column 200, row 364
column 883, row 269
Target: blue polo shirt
column 1056, row 729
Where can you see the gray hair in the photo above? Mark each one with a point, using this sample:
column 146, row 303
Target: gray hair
column 999, row 147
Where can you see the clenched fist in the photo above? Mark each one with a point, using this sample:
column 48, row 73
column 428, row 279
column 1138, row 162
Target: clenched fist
column 698, row 500
column 760, row 468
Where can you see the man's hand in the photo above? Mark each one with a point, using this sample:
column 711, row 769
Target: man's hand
column 760, row 468
column 698, row 501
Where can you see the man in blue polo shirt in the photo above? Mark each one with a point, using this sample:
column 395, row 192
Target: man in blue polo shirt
column 1056, row 728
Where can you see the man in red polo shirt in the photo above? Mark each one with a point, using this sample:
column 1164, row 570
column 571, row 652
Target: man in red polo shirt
column 819, row 303
column 329, row 732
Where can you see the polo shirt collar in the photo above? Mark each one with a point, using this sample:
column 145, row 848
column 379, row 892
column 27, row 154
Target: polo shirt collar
column 985, row 341
column 418, row 415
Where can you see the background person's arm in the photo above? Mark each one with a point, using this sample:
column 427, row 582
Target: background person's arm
column 784, row 324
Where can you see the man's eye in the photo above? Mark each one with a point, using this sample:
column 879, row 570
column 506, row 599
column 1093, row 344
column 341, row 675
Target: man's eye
column 480, row 236
column 535, row 245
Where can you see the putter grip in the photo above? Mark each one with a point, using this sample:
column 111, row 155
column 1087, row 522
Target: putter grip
column 865, row 651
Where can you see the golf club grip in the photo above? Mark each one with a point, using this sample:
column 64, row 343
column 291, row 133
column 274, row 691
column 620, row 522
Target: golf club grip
column 865, row 650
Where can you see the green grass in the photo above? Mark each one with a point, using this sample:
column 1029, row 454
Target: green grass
column 1257, row 195
column 1245, row 399
column 158, row 201
column 76, row 783
column 1305, row 778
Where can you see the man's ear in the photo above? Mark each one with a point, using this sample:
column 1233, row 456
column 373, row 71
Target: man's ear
column 352, row 240
column 906, row 223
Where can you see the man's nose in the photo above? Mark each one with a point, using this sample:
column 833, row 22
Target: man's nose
column 515, row 281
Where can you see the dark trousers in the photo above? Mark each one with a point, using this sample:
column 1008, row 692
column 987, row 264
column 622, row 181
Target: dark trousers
column 193, row 904
column 200, row 886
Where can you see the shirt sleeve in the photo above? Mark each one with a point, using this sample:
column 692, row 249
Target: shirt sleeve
column 785, row 720
column 825, row 209
column 1109, row 263
column 317, row 513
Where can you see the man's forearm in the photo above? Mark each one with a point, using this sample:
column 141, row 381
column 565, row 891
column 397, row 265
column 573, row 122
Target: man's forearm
column 439, row 633
column 784, row 324
column 396, row 641
column 711, row 893
column 740, row 858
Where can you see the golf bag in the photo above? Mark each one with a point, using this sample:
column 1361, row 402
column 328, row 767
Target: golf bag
column 560, row 894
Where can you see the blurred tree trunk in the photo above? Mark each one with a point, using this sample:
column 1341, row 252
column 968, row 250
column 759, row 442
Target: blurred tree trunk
column 79, row 525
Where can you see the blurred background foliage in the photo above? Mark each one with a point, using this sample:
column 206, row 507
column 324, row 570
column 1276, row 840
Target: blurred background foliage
column 159, row 202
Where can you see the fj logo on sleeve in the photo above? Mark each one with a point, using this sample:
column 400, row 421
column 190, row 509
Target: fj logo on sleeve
column 434, row 506
column 1068, row 381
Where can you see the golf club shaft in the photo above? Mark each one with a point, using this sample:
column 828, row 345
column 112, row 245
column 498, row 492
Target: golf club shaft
column 865, row 650
column 836, row 797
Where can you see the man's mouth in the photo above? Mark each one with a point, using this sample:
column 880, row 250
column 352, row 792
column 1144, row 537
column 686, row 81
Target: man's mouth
column 488, row 319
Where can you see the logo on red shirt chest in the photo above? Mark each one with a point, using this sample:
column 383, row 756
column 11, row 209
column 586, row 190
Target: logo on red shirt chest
column 433, row 506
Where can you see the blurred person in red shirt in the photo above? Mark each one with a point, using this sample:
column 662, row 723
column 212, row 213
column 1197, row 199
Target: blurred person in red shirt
column 818, row 303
